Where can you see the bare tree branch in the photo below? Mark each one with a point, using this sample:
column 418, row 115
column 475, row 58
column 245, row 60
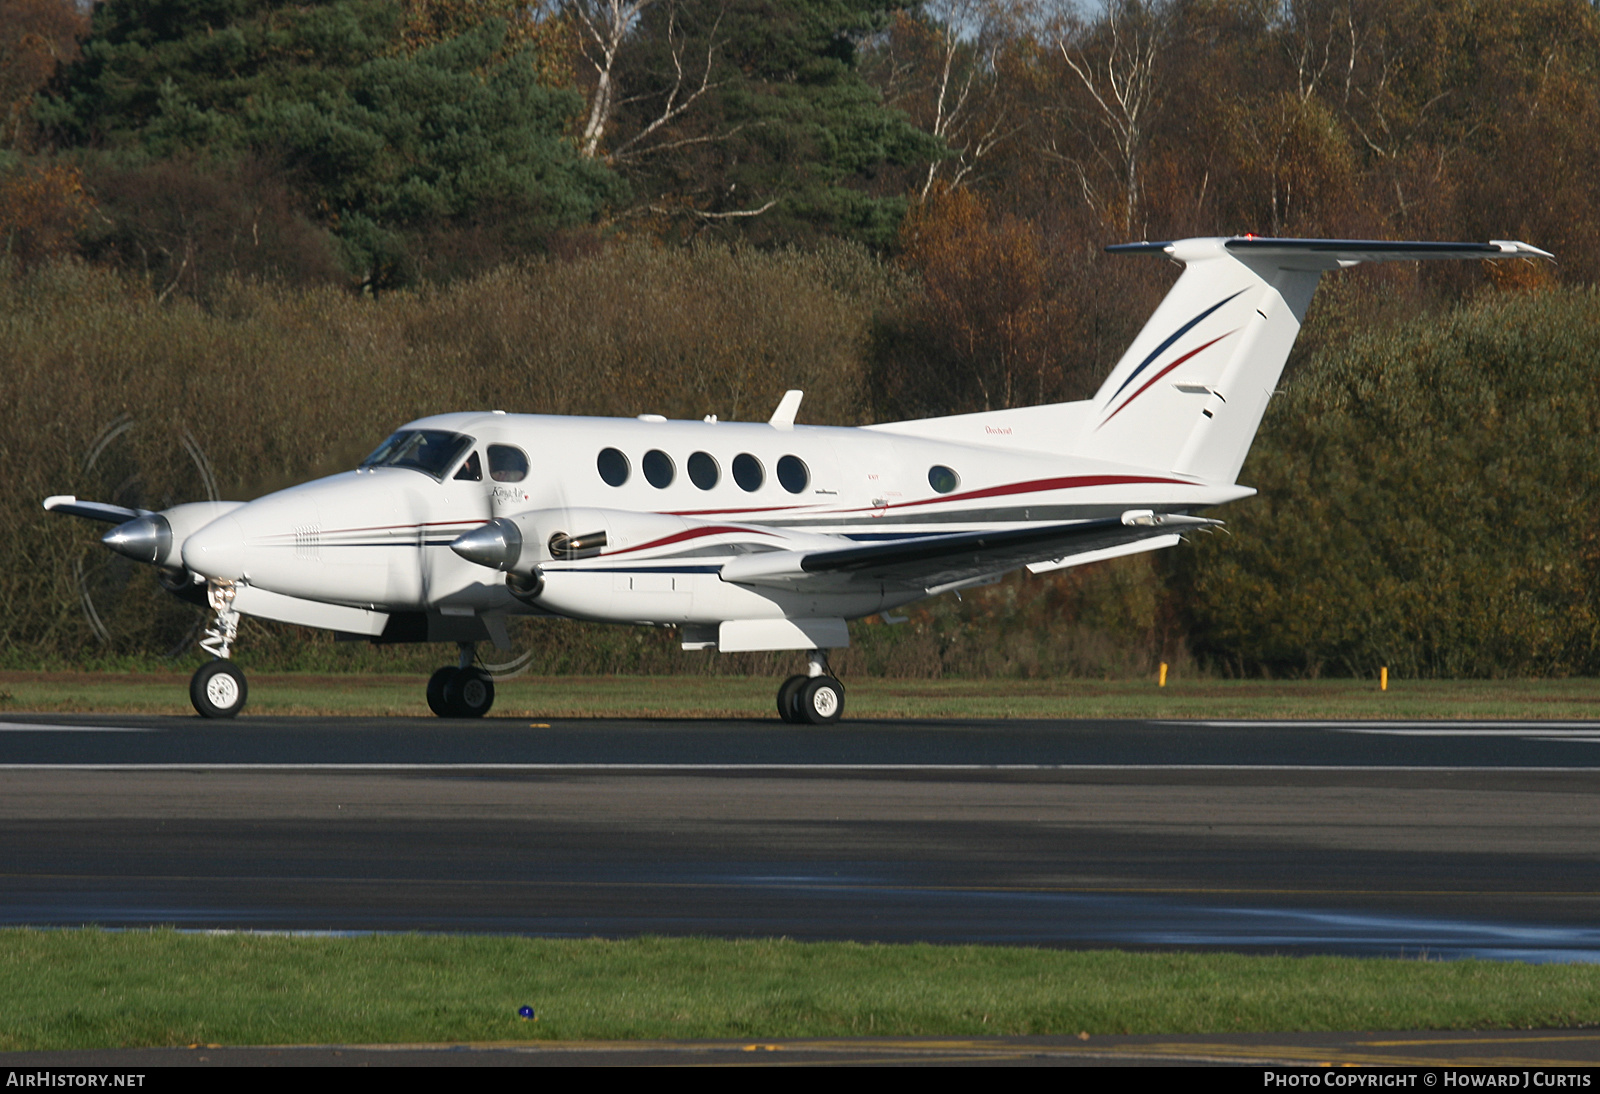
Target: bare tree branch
column 1117, row 61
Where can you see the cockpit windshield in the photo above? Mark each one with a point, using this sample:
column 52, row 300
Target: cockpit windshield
column 433, row 451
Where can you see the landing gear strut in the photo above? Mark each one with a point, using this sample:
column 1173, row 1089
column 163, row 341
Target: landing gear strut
column 461, row 691
column 816, row 698
column 218, row 688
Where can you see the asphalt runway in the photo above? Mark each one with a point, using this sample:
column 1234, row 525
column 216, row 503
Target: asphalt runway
column 1444, row 839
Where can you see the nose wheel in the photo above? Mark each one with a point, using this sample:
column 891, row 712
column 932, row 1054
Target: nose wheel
column 815, row 699
column 218, row 689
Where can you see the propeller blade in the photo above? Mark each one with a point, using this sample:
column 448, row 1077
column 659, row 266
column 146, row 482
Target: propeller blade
column 93, row 510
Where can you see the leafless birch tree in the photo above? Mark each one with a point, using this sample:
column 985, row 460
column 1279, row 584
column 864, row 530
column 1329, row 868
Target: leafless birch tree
column 945, row 68
column 605, row 29
column 1117, row 59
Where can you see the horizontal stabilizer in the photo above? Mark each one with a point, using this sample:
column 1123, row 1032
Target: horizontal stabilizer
column 1344, row 252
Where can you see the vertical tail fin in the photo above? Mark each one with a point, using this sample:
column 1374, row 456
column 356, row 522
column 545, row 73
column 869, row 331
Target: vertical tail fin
column 1189, row 394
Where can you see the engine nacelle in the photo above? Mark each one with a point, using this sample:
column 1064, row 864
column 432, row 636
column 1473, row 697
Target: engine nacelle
column 518, row 544
column 158, row 538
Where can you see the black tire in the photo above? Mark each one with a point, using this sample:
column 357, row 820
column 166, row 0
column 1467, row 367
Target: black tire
column 788, row 709
column 218, row 689
column 469, row 693
column 436, row 682
column 821, row 701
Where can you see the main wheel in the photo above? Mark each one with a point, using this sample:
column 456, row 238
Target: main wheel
column 436, row 684
column 788, row 710
column 820, row 701
column 469, row 693
column 217, row 689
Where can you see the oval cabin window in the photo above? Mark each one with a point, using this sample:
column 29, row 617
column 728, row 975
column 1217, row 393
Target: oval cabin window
column 793, row 474
column 703, row 470
column 942, row 479
column 748, row 472
column 613, row 467
column 659, row 470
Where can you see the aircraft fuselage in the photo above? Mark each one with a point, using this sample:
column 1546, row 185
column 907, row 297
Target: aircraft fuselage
column 692, row 497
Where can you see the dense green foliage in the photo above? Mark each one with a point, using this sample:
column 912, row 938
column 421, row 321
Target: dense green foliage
column 789, row 118
column 374, row 141
column 1430, row 501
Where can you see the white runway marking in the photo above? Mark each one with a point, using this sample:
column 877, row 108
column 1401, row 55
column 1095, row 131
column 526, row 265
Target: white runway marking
column 44, row 727
column 845, row 768
column 1527, row 731
column 1361, row 725
column 1560, row 732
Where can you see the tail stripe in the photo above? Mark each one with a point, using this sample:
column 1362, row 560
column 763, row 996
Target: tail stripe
column 1164, row 371
column 1163, row 347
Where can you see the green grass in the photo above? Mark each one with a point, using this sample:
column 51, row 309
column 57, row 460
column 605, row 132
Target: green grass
column 752, row 697
column 84, row 989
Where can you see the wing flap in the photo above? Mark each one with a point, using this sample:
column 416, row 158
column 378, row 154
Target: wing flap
column 928, row 562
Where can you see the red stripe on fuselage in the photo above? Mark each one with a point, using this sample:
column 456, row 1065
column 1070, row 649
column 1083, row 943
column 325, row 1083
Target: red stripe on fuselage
column 691, row 533
column 1033, row 486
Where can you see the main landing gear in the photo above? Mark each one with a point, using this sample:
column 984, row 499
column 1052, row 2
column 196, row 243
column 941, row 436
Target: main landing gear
column 218, row 688
column 816, row 698
column 462, row 691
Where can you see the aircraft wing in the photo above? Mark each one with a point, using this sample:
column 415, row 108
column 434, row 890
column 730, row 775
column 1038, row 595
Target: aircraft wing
column 944, row 561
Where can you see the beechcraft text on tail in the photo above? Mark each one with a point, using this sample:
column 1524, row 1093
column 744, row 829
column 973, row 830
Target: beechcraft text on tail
column 753, row 536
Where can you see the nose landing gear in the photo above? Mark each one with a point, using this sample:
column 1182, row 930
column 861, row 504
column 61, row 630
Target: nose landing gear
column 218, row 688
column 464, row 691
column 816, row 698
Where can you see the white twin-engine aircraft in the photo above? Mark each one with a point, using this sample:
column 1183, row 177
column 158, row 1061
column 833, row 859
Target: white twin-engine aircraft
column 754, row 536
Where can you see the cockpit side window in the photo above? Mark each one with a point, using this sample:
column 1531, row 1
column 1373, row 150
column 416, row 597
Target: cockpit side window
column 431, row 451
column 471, row 471
column 507, row 464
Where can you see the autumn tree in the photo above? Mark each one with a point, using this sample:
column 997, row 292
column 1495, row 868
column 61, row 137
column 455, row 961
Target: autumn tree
column 953, row 66
column 1008, row 314
column 43, row 205
column 36, row 37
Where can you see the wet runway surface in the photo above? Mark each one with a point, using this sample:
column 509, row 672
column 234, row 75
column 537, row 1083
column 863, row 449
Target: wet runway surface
column 1359, row 838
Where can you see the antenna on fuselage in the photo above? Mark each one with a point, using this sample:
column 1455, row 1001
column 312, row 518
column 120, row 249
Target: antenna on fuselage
column 788, row 407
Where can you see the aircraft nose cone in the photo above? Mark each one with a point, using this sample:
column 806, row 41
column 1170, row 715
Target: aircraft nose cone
column 497, row 545
column 217, row 550
column 143, row 539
